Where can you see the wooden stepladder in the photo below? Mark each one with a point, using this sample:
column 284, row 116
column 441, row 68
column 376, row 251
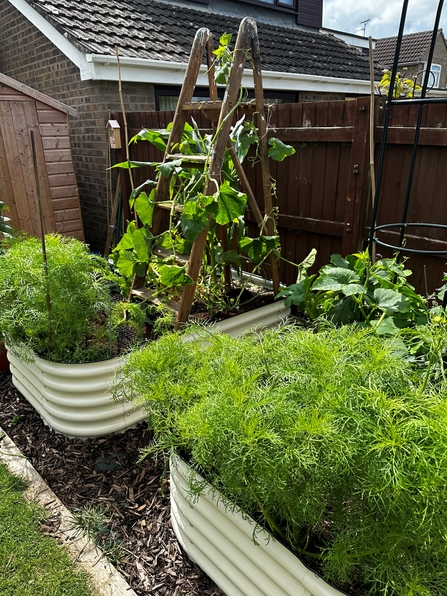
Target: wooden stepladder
column 247, row 44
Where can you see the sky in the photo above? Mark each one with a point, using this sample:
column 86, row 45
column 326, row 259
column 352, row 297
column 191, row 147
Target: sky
column 347, row 15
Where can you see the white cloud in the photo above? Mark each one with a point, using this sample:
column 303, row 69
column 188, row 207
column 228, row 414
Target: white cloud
column 347, row 15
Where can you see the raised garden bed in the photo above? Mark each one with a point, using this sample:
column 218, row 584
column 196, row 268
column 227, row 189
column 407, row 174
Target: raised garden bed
column 221, row 541
column 75, row 399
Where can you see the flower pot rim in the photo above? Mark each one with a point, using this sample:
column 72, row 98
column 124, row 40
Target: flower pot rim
column 35, row 357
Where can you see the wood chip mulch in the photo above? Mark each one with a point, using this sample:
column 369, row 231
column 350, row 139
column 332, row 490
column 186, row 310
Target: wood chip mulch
column 105, row 472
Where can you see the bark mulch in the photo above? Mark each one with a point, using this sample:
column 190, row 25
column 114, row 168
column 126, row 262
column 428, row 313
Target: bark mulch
column 105, row 472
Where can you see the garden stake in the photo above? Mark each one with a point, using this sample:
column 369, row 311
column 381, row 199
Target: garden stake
column 263, row 152
column 371, row 139
column 44, row 249
column 126, row 134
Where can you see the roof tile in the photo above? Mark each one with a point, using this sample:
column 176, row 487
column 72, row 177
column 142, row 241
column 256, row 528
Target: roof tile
column 412, row 49
column 160, row 31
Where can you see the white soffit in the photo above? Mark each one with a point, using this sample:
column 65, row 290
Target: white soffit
column 140, row 70
column 104, row 67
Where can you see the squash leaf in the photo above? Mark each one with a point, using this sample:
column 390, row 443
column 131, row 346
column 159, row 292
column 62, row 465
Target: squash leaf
column 279, row 150
column 173, row 276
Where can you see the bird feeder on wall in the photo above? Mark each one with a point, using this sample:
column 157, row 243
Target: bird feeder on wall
column 114, row 131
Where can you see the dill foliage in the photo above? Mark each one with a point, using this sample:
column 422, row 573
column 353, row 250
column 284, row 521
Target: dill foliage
column 62, row 310
column 333, row 441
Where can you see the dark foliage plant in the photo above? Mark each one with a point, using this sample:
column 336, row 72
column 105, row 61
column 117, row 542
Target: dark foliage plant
column 5, row 228
column 61, row 310
column 333, row 440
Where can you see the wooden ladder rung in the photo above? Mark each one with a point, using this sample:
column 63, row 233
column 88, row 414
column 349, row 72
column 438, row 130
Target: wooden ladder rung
column 149, row 296
column 167, row 205
column 143, row 293
column 211, row 105
column 198, row 159
column 165, row 253
column 202, row 105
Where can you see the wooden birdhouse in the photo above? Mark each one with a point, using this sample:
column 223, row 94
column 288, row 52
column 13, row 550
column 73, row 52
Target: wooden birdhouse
column 114, row 130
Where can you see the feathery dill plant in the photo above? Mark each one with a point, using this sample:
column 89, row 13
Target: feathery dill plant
column 77, row 324
column 332, row 440
column 93, row 521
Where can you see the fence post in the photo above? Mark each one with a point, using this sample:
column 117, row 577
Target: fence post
column 354, row 232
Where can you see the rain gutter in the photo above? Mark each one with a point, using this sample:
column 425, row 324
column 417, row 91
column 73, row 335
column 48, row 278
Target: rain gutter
column 141, row 70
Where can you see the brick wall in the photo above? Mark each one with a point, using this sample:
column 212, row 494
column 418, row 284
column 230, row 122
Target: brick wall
column 439, row 57
column 413, row 70
column 29, row 57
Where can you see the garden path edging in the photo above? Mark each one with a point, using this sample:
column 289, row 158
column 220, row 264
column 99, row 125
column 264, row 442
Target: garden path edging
column 106, row 579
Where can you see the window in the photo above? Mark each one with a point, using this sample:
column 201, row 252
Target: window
column 166, row 98
column 435, row 74
column 279, row 3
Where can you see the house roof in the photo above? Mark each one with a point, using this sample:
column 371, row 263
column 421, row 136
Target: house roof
column 412, row 49
column 154, row 30
column 37, row 95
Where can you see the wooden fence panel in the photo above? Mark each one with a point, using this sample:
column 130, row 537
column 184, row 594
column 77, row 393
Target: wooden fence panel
column 318, row 194
column 321, row 188
column 427, row 203
column 322, row 191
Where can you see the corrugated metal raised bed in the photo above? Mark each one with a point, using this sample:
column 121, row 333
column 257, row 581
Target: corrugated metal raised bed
column 75, row 399
column 221, row 542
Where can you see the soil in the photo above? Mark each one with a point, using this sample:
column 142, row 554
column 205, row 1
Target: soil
column 105, row 472
column 249, row 299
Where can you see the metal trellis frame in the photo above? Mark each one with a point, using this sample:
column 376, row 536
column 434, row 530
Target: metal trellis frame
column 422, row 101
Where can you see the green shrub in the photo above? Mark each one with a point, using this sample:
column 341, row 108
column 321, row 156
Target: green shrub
column 332, row 440
column 62, row 312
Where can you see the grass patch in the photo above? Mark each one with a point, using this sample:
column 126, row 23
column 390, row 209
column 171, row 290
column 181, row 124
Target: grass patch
column 31, row 563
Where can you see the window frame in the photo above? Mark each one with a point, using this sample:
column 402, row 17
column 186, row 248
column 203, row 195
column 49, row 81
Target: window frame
column 276, row 5
column 202, row 93
column 437, row 76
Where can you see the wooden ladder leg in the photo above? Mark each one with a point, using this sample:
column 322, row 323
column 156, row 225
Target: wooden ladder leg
column 270, row 225
column 200, row 44
column 243, row 43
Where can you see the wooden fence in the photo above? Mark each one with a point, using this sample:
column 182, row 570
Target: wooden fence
column 323, row 190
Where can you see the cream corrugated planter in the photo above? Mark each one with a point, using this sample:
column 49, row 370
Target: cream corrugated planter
column 75, row 399
column 263, row 317
column 221, row 542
